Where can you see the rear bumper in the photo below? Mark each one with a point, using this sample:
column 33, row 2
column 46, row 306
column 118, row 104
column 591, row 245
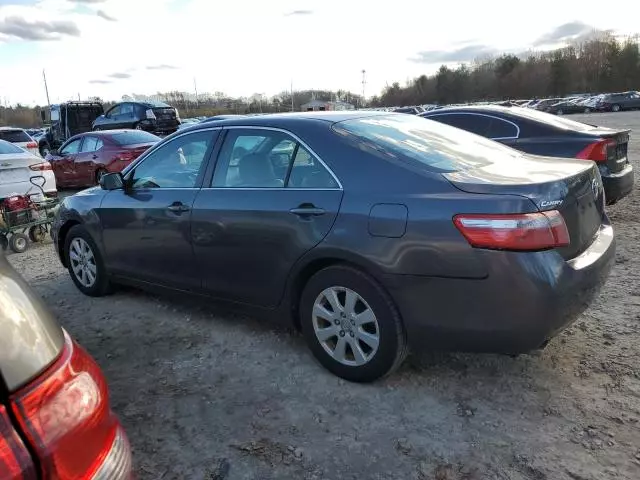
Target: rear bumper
column 618, row 185
column 525, row 300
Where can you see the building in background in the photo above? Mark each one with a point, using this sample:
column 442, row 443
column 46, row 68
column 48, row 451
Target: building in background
column 321, row 106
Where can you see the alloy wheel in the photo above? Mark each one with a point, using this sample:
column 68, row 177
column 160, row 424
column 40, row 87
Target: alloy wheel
column 346, row 326
column 83, row 262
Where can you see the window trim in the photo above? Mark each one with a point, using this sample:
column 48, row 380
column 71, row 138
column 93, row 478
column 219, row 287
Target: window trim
column 286, row 132
column 69, row 142
column 84, row 139
column 482, row 115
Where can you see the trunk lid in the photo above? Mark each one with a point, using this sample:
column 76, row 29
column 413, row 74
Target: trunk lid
column 573, row 187
column 616, row 150
column 14, row 169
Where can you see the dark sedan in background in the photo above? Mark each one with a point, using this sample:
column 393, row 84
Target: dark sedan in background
column 84, row 159
column 155, row 117
column 370, row 231
column 55, row 417
column 544, row 134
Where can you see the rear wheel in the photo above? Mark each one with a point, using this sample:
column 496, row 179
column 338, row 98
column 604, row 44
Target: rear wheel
column 139, row 127
column 45, row 150
column 85, row 264
column 560, row 112
column 351, row 324
column 19, row 242
column 587, row 110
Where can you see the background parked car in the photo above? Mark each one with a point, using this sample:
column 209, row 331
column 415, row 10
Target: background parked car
column 337, row 230
column 155, row 117
column 615, row 102
column 18, row 167
column 19, row 137
column 55, row 418
column 544, row 134
column 566, row 107
column 83, row 159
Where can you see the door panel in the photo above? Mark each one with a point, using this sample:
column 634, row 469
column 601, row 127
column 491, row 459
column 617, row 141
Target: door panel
column 147, row 229
column 146, row 240
column 247, row 240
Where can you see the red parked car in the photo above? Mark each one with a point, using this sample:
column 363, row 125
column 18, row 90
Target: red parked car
column 84, row 158
column 55, row 419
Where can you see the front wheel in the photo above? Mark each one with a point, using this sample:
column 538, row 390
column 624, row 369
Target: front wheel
column 85, row 264
column 101, row 172
column 45, row 150
column 615, row 108
column 560, row 112
column 19, row 242
column 351, row 324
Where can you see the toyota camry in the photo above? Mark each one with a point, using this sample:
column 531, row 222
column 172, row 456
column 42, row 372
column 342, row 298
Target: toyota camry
column 372, row 232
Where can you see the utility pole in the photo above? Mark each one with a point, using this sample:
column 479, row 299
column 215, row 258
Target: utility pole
column 292, row 107
column 364, row 83
column 195, row 87
column 46, row 89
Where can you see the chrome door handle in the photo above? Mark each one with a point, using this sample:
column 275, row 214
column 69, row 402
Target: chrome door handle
column 178, row 207
column 309, row 211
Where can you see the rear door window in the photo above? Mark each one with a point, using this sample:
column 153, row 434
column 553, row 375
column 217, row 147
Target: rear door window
column 71, row 147
column 470, row 122
column 89, row 145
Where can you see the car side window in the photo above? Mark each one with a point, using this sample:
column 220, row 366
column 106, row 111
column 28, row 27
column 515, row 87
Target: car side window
column 176, row 164
column 254, row 158
column 114, row 112
column 99, row 144
column 502, row 129
column 477, row 124
column 308, row 172
column 89, row 144
column 71, row 147
column 127, row 110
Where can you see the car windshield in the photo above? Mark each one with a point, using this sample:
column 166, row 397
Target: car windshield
column 440, row 147
column 8, row 148
column 14, row 136
column 134, row 137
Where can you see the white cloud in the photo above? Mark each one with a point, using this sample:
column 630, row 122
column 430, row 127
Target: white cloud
column 247, row 46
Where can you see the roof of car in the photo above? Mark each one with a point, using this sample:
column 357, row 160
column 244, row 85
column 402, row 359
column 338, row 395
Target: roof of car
column 11, row 128
column 284, row 119
column 472, row 108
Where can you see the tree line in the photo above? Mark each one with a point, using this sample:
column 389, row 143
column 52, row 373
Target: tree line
column 601, row 65
column 604, row 64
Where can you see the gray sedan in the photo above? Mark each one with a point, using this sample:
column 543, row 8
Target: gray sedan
column 372, row 232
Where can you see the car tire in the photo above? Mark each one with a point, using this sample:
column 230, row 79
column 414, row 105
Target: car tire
column 139, row 127
column 615, row 108
column 19, row 242
column 99, row 174
column 356, row 352
column 44, row 150
column 587, row 110
column 37, row 233
column 81, row 253
column 560, row 112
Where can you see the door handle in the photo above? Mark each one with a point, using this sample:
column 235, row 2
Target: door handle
column 307, row 210
column 178, row 207
column 94, row 157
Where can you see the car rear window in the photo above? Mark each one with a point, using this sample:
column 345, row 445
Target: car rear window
column 133, row 137
column 438, row 146
column 14, row 136
column 8, row 148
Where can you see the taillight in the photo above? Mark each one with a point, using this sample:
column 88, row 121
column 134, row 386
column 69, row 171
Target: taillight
column 528, row 231
column 15, row 461
column 32, row 145
column 40, row 167
column 65, row 415
column 597, row 151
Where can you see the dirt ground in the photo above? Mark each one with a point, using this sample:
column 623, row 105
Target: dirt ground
column 205, row 394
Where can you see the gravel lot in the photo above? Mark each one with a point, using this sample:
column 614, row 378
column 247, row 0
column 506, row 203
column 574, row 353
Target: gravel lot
column 206, row 394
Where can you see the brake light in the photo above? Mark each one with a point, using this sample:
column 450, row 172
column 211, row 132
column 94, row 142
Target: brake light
column 32, row 145
column 15, row 461
column 40, row 167
column 597, row 151
column 65, row 415
column 523, row 232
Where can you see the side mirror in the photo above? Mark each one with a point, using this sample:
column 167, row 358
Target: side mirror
column 112, row 181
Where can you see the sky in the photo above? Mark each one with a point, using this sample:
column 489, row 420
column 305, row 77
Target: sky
column 111, row 48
